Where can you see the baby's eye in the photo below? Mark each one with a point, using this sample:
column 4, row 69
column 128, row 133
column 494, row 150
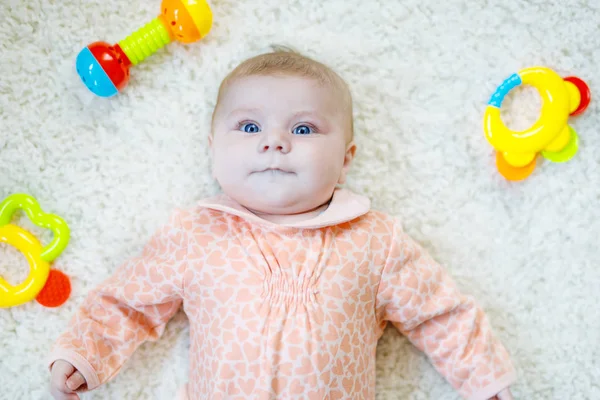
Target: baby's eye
column 249, row 127
column 302, row 130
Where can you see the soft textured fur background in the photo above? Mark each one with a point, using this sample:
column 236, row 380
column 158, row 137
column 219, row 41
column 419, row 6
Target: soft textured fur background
column 421, row 72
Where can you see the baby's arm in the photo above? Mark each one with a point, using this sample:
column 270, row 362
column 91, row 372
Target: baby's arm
column 131, row 306
column 421, row 300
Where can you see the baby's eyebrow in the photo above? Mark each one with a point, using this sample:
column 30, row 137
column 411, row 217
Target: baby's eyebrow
column 242, row 111
column 305, row 113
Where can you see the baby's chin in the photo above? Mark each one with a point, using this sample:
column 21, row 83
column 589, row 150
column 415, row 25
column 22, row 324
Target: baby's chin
column 282, row 203
column 275, row 205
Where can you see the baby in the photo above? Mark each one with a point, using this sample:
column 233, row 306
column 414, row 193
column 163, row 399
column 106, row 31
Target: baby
column 288, row 280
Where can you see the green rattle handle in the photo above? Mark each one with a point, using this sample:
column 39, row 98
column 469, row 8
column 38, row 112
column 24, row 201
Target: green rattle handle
column 145, row 41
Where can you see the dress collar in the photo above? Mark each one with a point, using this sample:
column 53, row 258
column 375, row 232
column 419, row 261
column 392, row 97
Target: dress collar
column 345, row 206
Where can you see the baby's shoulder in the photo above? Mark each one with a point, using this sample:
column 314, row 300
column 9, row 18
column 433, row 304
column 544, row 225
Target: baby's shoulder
column 377, row 221
column 199, row 218
column 376, row 227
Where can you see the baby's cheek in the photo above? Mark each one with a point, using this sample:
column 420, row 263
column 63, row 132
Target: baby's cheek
column 229, row 155
column 327, row 163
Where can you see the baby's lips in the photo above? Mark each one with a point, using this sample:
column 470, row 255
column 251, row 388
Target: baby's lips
column 57, row 225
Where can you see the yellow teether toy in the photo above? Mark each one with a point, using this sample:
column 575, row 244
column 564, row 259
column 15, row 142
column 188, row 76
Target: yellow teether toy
column 550, row 135
column 49, row 287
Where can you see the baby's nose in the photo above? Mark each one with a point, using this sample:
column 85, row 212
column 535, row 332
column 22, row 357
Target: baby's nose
column 274, row 146
column 276, row 142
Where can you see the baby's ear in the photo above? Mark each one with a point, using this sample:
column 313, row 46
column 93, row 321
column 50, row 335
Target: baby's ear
column 211, row 155
column 348, row 158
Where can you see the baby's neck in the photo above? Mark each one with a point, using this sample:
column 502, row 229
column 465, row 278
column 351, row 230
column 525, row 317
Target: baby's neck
column 291, row 218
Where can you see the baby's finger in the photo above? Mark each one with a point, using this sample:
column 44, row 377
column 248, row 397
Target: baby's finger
column 75, row 381
column 62, row 368
column 505, row 395
column 64, row 396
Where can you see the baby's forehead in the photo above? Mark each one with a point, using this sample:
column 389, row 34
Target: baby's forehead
column 275, row 87
column 275, row 79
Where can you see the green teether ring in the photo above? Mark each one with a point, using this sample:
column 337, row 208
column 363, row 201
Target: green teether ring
column 33, row 210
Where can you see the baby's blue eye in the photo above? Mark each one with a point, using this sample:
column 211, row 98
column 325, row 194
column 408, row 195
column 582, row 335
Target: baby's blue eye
column 302, row 130
column 250, row 128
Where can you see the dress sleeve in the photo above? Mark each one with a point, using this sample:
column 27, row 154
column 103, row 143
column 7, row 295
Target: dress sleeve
column 421, row 300
column 130, row 307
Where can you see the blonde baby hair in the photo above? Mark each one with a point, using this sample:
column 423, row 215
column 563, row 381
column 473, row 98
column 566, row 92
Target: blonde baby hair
column 286, row 61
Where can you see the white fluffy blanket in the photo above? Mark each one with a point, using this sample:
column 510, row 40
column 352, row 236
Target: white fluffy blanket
column 421, row 72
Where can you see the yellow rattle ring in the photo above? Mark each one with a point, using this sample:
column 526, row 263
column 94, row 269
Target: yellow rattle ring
column 31, row 248
column 553, row 118
column 550, row 134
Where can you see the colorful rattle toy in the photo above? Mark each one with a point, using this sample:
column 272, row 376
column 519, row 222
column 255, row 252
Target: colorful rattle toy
column 104, row 69
column 49, row 287
column 550, row 135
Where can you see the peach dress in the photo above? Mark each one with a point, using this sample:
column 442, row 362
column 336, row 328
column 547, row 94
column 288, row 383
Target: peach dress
column 285, row 311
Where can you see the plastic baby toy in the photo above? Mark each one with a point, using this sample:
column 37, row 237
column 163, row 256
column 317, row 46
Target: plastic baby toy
column 49, row 287
column 104, row 69
column 550, row 135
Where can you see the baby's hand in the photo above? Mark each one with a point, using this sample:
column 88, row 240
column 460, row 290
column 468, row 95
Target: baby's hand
column 503, row 395
column 65, row 380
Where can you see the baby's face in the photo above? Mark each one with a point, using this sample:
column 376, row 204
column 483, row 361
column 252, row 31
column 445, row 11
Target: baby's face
column 280, row 144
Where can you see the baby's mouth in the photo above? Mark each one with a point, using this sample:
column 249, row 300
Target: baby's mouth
column 274, row 171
